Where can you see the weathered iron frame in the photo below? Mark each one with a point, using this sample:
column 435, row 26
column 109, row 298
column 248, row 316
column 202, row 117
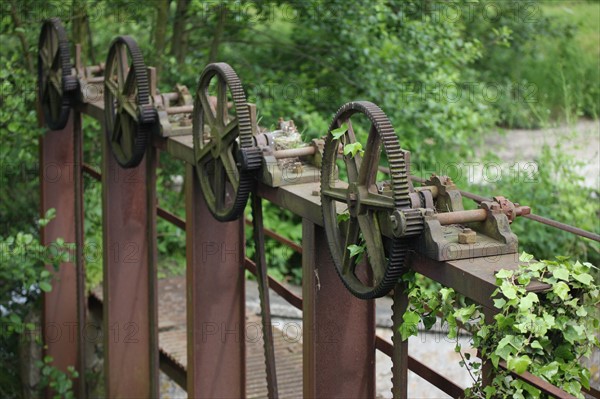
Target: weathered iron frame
column 330, row 367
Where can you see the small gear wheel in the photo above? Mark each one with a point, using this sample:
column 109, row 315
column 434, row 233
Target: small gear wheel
column 56, row 80
column 356, row 211
column 128, row 110
column 224, row 148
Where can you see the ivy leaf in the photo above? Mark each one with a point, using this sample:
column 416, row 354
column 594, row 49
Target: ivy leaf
column 509, row 291
column 581, row 312
column 340, row 131
column 536, row 344
column 353, row 149
column 528, row 301
column 409, row 324
column 561, row 274
column 499, row 303
column 584, row 376
column 464, row 314
column 429, row 321
column 45, row 286
column 549, row 319
column 355, row 250
column 505, row 273
column 583, row 278
column 446, row 293
column 561, row 290
column 342, row 217
column 549, row 370
column 525, row 257
column 519, row 364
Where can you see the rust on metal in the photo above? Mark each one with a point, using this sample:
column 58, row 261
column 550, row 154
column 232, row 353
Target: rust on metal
column 129, row 276
column 60, row 310
column 538, row 382
column 215, row 300
column 79, row 247
column 338, row 355
column 399, row 353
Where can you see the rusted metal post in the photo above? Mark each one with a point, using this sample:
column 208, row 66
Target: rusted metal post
column 339, row 329
column 129, row 278
column 400, row 352
column 62, row 318
column 215, row 300
column 79, row 248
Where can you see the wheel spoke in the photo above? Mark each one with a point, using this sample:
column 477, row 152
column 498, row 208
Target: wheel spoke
column 221, row 101
column 46, row 60
column 131, row 108
column 338, row 194
column 369, row 225
column 206, row 108
column 112, row 87
column 204, row 152
column 130, row 81
column 230, row 132
column 378, row 201
column 352, row 163
column 54, row 80
column 55, row 63
column 351, row 238
column 370, row 161
column 231, row 169
column 122, row 65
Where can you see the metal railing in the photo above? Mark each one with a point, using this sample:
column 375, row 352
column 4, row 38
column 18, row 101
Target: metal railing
column 381, row 344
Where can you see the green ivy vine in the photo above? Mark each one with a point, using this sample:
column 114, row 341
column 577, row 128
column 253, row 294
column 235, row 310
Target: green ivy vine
column 545, row 333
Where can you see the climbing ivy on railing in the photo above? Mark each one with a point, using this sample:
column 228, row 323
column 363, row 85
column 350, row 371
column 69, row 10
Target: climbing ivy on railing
column 545, row 333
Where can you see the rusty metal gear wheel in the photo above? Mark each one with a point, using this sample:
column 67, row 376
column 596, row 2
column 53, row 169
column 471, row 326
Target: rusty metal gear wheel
column 127, row 108
column 56, row 81
column 224, row 148
column 370, row 212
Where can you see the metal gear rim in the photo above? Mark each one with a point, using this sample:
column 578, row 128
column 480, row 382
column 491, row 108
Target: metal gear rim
column 398, row 172
column 68, row 82
column 247, row 179
column 147, row 115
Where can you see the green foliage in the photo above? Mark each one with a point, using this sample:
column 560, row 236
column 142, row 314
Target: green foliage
column 553, row 189
column 23, row 278
column 18, row 153
column 545, row 333
column 59, row 382
column 529, row 56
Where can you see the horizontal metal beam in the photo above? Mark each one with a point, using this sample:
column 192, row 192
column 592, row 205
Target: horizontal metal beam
column 539, row 383
column 474, row 277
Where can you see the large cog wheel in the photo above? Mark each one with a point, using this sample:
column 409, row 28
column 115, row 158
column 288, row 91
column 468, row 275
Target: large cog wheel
column 368, row 209
column 56, row 81
column 128, row 109
column 224, row 148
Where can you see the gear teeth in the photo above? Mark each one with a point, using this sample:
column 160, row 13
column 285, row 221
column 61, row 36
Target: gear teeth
column 246, row 169
column 53, row 26
column 414, row 222
column 251, row 158
column 147, row 113
column 399, row 247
